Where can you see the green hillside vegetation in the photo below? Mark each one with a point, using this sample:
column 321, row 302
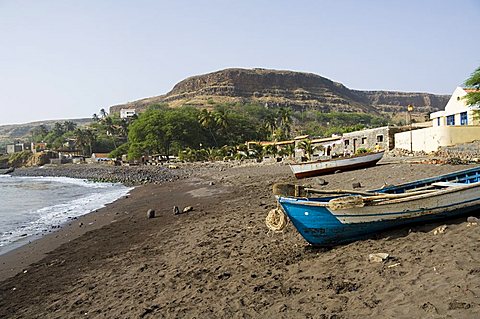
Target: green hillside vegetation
column 196, row 134
column 192, row 133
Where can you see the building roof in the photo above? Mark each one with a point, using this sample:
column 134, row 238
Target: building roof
column 277, row 143
column 100, row 155
column 327, row 139
column 301, row 137
column 471, row 90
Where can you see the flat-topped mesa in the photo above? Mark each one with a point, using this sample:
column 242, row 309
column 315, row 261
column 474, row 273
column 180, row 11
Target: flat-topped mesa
column 276, row 88
column 393, row 101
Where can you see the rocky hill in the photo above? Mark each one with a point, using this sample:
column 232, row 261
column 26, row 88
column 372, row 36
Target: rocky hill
column 297, row 90
column 12, row 132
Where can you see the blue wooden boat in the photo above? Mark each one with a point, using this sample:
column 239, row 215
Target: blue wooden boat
column 344, row 216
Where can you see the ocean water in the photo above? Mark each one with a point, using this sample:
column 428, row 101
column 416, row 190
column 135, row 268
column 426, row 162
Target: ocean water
column 33, row 206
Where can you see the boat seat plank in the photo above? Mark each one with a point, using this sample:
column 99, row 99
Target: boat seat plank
column 448, row 184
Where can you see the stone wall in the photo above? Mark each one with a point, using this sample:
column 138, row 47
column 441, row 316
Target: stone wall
column 467, row 151
column 369, row 139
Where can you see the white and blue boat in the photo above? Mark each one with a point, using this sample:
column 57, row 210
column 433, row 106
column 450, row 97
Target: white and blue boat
column 342, row 216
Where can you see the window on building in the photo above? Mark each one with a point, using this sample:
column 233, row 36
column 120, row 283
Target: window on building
column 463, row 118
column 379, row 138
column 438, row 121
column 347, row 142
column 364, row 140
column 451, row 120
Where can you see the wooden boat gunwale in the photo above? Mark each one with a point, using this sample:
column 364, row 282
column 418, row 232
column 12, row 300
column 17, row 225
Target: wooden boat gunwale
column 313, row 201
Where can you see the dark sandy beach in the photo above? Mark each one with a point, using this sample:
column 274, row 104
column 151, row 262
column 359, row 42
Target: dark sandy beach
column 220, row 260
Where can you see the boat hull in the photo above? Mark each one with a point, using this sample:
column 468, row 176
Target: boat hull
column 310, row 169
column 321, row 225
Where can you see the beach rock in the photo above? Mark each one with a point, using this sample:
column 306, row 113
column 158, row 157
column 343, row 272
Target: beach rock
column 176, row 210
column 187, row 209
column 129, row 175
column 440, row 230
column 357, row 185
column 429, row 307
column 321, row 181
column 151, row 213
column 378, row 257
column 472, row 221
column 455, row 304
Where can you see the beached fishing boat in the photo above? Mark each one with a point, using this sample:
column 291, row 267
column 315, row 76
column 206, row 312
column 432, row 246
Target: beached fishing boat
column 315, row 168
column 342, row 216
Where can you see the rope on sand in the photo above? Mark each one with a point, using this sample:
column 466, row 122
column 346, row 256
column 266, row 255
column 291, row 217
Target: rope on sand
column 276, row 220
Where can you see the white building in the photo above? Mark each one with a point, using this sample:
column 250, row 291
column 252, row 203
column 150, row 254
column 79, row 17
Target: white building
column 456, row 111
column 126, row 113
column 457, row 124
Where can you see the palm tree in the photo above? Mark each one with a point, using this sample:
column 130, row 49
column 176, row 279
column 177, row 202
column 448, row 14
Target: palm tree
column 207, row 120
column 84, row 138
column 290, row 150
column 80, row 139
column 58, row 129
column 103, row 113
column 285, row 119
column 272, row 150
column 211, row 154
column 270, row 123
column 221, row 118
column 307, row 147
column 122, row 129
column 257, row 151
column 473, row 97
column 226, row 151
column 90, row 138
column 69, row 126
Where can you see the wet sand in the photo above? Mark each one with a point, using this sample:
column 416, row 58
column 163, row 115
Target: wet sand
column 220, row 261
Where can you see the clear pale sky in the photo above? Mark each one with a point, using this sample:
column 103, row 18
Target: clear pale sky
column 68, row 59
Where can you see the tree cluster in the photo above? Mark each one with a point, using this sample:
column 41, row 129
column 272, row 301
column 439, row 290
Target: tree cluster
column 473, row 82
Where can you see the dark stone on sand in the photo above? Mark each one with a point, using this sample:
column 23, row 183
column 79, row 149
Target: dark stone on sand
column 187, row 209
column 357, row 185
column 176, row 210
column 151, row 213
column 455, row 304
column 224, row 276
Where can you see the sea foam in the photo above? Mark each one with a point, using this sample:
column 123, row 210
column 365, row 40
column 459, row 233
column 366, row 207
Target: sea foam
column 26, row 225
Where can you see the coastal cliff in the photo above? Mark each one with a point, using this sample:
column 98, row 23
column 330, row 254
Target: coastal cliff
column 275, row 88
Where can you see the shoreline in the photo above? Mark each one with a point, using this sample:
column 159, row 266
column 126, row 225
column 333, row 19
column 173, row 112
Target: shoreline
column 219, row 260
column 127, row 175
column 17, row 259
